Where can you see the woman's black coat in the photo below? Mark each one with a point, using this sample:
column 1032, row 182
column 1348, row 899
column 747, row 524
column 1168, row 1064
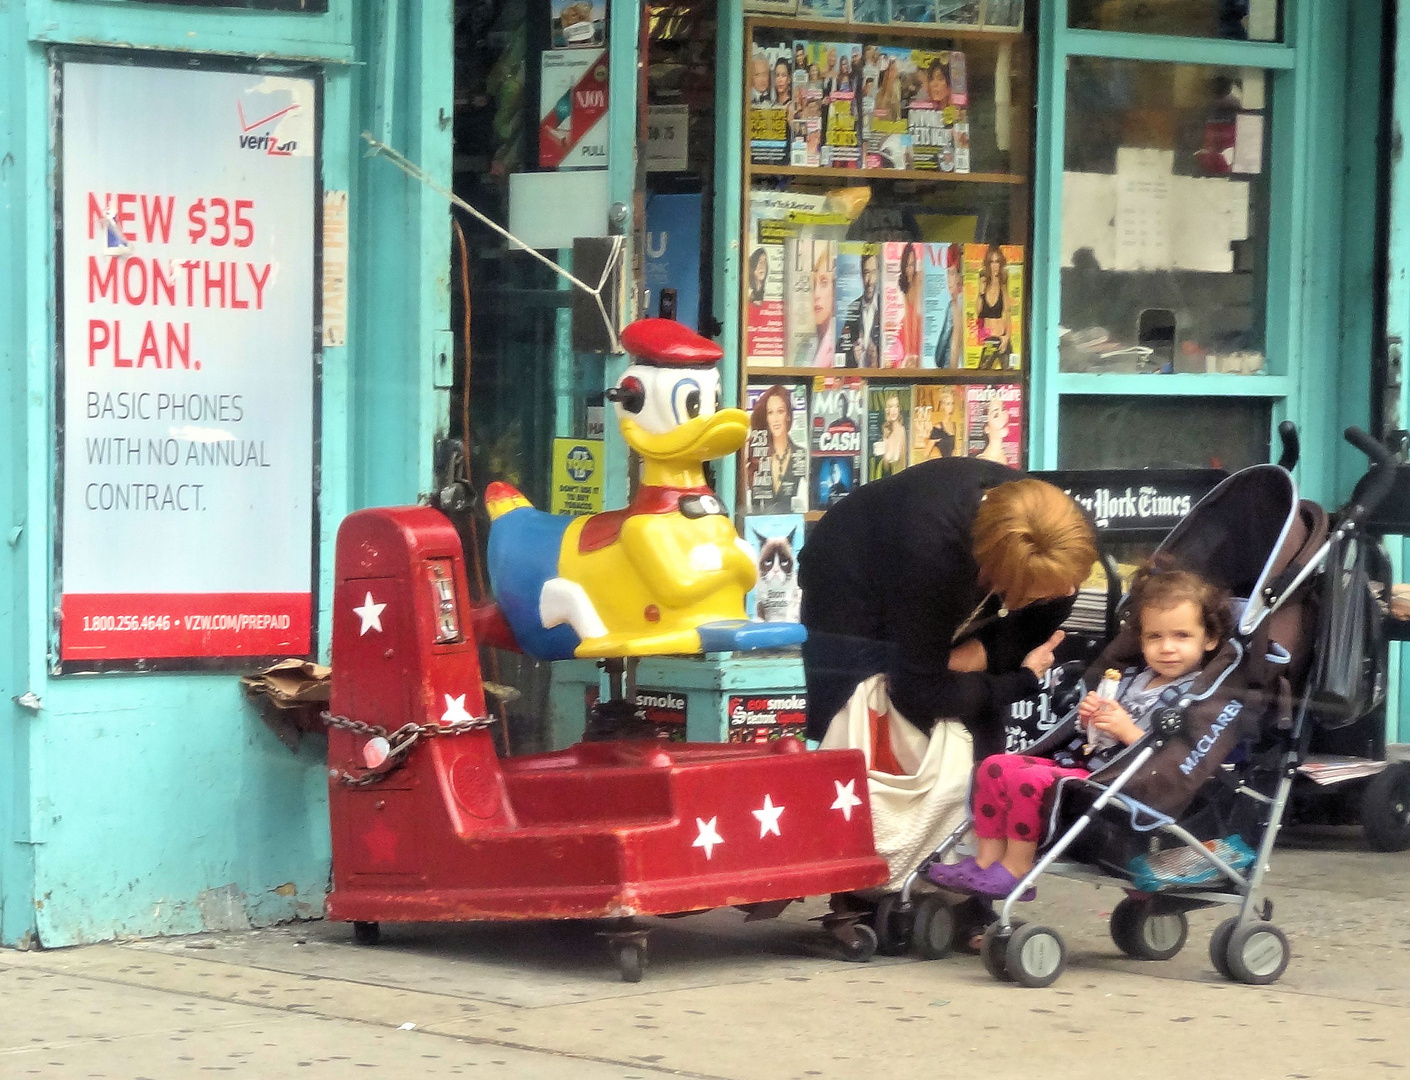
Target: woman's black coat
column 888, row 577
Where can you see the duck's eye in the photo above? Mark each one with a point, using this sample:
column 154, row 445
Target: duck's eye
column 629, row 394
column 685, row 400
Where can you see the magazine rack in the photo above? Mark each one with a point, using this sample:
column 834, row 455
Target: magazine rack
column 990, row 202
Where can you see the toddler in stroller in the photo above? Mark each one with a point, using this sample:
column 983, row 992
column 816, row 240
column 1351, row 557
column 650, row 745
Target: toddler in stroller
column 1179, row 620
column 1172, row 817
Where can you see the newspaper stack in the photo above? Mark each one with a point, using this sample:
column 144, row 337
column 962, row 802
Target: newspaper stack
column 1328, row 769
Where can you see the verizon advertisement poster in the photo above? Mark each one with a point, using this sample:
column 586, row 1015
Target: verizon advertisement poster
column 187, row 435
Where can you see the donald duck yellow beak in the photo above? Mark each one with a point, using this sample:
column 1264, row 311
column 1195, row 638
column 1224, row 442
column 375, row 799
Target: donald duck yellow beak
column 703, row 438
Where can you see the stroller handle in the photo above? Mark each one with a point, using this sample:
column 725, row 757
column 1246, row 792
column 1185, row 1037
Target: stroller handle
column 1380, row 478
column 1292, row 447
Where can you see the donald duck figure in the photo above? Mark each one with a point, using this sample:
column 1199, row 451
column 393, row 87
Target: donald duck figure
column 668, row 574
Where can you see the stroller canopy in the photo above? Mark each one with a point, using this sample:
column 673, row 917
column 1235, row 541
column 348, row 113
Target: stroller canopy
column 1243, row 535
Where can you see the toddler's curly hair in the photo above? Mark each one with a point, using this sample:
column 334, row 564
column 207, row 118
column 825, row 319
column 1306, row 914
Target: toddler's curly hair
column 1161, row 585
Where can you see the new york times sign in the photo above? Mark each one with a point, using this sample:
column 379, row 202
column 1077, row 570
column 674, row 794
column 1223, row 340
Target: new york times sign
column 1136, row 500
column 260, row 5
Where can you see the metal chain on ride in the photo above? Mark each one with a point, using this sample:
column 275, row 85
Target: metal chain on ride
column 399, row 741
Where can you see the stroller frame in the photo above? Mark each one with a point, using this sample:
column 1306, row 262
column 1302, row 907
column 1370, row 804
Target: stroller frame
column 1247, row 947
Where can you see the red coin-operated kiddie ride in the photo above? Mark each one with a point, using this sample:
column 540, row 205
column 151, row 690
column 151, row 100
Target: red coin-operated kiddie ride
column 429, row 824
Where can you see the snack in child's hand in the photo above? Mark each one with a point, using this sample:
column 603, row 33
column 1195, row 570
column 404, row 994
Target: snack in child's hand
column 1098, row 740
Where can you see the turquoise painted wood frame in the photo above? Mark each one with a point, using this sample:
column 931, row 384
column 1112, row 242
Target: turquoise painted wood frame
column 1318, row 338
column 145, row 804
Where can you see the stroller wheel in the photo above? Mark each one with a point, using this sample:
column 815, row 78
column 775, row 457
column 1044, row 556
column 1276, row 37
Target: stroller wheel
column 934, row 929
column 1219, row 946
column 1035, row 956
column 1144, row 933
column 892, row 926
column 1258, row 953
column 1385, row 809
column 993, row 949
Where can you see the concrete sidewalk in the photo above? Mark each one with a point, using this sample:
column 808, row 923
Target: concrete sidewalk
column 723, row 999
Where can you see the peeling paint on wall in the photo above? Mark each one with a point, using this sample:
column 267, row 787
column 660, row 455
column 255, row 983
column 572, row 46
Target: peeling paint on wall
column 223, row 908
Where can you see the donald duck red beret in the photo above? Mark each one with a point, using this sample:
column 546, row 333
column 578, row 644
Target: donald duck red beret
column 666, row 343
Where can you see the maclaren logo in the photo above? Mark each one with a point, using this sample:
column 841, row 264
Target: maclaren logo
column 249, row 140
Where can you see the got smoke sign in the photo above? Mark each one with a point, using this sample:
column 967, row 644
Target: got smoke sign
column 188, row 363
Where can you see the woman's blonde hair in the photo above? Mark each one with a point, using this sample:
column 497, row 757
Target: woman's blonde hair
column 1032, row 540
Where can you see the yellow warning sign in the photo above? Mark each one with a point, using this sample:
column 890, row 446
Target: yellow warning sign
column 577, row 476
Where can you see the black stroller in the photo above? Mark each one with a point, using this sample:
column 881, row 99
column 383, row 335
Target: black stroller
column 1218, row 766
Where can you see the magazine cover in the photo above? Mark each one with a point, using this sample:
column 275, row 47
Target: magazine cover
column 994, row 423
column 993, row 301
column 938, row 113
column 888, row 430
column 578, row 23
column 776, row 539
column 859, row 316
column 807, row 127
column 838, row 416
column 770, row 101
column 1003, row 15
column 871, row 11
column 764, row 324
column 822, row 9
column 885, row 71
column 938, row 422
column 943, row 343
column 957, row 12
column 842, row 143
column 902, row 304
column 776, row 458
column 809, row 283
column 913, row 11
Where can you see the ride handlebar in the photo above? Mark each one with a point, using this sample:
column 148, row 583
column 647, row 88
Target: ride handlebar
column 1381, row 476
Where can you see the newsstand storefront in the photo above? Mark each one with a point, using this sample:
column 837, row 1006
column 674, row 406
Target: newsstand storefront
column 1076, row 234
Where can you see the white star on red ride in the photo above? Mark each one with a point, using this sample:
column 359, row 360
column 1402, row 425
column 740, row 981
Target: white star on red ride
column 846, row 798
column 455, row 710
column 708, row 837
column 767, row 818
column 370, row 614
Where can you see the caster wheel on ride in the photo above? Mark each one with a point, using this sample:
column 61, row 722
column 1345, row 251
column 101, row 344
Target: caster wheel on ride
column 934, row 928
column 1257, row 953
column 631, row 960
column 862, row 944
column 1035, row 956
column 892, row 925
column 993, row 949
column 367, row 933
column 1385, row 809
column 1143, row 933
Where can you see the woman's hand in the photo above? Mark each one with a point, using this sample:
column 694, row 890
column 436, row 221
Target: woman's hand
column 1041, row 658
column 1104, row 715
column 969, row 657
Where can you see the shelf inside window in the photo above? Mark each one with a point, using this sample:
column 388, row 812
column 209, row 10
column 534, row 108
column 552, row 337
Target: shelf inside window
column 939, row 375
column 804, row 172
column 1078, row 384
column 899, row 31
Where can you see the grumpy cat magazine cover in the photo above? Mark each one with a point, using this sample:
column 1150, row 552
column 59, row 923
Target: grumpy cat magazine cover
column 776, row 539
